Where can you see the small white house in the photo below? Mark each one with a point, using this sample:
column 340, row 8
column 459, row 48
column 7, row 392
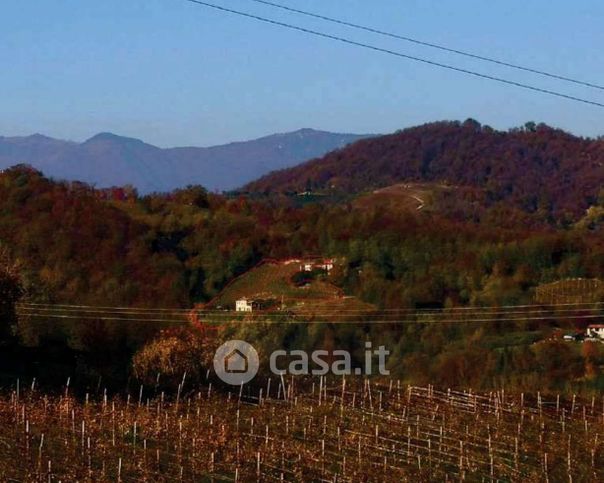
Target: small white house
column 244, row 305
column 596, row 331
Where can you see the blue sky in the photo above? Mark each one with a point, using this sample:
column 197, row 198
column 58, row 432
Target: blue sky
column 172, row 73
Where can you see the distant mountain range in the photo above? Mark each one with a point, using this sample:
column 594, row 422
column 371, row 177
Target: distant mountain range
column 534, row 168
column 109, row 160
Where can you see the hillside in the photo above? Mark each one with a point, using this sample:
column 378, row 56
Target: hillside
column 533, row 168
column 273, row 281
column 110, row 160
column 75, row 245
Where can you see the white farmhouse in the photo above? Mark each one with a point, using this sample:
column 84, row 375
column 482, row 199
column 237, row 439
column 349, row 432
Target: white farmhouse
column 244, row 305
column 596, row 331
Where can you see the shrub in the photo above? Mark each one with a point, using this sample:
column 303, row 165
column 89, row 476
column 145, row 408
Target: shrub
column 169, row 357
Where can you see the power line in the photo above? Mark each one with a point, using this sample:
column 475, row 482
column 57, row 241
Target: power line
column 314, row 321
column 368, row 314
column 486, row 314
column 103, row 318
column 100, row 307
column 565, row 308
column 432, row 45
column 345, row 40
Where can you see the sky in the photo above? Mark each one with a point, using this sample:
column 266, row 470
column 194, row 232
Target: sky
column 173, row 73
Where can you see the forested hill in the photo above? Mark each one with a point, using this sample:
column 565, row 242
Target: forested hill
column 68, row 243
column 534, row 167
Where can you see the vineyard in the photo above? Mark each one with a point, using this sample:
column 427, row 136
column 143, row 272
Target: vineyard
column 570, row 291
column 301, row 430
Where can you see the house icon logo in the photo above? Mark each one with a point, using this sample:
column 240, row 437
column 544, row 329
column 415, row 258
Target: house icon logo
column 236, row 362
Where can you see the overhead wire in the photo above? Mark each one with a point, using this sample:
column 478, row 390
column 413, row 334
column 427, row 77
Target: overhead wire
column 336, row 312
column 396, row 53
column 303, row 315
column 292, row 316
column 430, row 44
column 315, row 321
column 537, row 306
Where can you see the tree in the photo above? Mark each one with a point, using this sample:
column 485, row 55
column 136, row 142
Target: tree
column 10, row 292
column 590, row 353
column 169, row 357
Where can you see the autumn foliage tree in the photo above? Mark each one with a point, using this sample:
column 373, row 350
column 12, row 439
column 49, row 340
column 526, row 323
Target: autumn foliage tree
column 170, row 357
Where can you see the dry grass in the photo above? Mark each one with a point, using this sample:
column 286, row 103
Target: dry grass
column 412, row 197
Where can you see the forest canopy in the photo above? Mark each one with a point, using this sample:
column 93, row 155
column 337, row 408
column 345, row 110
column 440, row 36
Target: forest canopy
column 500, row 215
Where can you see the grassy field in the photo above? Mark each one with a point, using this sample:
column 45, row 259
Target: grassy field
column 344, row 430
column 341, row 308
column 272, row 280
column 415, row 197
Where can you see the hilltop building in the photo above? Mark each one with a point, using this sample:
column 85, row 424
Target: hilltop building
column 596, row 331
column 326, row 264
column 244, row 305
